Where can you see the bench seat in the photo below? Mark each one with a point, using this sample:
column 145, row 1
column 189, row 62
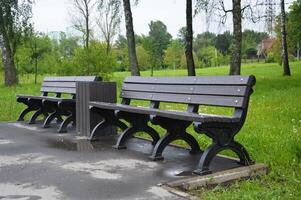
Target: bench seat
column 46, row 98
column 185, row 116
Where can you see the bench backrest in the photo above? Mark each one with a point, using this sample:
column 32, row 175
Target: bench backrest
column 64, row 84
column 225, row 91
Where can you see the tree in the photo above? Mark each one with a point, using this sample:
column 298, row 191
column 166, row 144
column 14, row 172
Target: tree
column 67, row 45
column 235, row 66
column 81, row 20
column 223, row 42
column 237, row 11
column 38, row 48
column 209, row 56
column 92, row 61
column 109, row 20
column 189, row 39
column 182, row 35
column 130, row 38
column 204, row 40
column 121, row 42
column 157, row 43
column 285, row 62
column 14, row 22
column 294, row 26
column 143, row 58
column 173, row 54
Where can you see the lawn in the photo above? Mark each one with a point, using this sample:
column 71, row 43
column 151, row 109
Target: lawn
column 272, row 132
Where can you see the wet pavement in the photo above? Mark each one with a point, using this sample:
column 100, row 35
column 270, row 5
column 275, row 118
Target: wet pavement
column 38, row 163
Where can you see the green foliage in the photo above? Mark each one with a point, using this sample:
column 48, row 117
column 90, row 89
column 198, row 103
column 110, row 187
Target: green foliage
column 14, row 21
column 143, row 58
column 251, row 39
column 204, row 40
column 173, row 54
column 251, row 53
column 157, row 43
column 67, row 45
column 182, row 35
column 197, row 62
column 92, row 61
column 37, row 48
column 122, row 59
column 209, row 57
column 276, row 50
column 294, row 25
column 121, row 42
column 270, row 58
column 223, row 42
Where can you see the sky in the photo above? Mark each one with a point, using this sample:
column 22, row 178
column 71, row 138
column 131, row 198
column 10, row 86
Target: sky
column 55, row 15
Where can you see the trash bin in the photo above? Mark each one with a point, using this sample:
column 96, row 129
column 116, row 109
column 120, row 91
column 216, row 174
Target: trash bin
column 92, row 91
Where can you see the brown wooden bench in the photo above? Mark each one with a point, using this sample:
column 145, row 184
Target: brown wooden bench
column 222, row 91
column 56, row 106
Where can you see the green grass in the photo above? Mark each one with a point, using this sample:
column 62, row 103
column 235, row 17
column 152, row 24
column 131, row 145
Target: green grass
column 272, row 132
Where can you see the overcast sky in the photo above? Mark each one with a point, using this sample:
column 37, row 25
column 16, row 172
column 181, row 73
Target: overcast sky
column 54, row 15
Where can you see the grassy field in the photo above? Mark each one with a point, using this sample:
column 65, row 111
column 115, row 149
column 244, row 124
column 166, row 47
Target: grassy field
column 272, row 132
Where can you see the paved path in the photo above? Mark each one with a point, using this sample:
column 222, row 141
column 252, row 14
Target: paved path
column 38, row 163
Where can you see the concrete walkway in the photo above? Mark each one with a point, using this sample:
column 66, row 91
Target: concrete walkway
column 38, row 163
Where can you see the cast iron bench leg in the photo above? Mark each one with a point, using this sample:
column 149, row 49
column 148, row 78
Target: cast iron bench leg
column 50, row 118
column 24, row 112
column 175, row 130
column 109, row 119
column 101, row 125
column 36, row 115
column 214, row 149
column 65, row 123
column 130, row 132
column 168, row 138
column 138, row 123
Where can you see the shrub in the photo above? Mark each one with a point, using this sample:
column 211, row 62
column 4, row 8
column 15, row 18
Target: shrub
column 92, row 61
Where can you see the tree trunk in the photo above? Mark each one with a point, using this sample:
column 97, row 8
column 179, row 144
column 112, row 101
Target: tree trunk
column 189, row 39
column 298, row 51
column 87, row 27
column 10, row 72
column 236, row 51
column 130, row 38
column 285, row 62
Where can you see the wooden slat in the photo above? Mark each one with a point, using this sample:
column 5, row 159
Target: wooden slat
column 59, row 84
column 201, row 80
column 226, row 101
column 59, row 90
column 70, row 78
column 65, row 84
column 187, row 89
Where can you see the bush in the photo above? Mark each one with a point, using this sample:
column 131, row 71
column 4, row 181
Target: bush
column 270, row 58
column 92, row 61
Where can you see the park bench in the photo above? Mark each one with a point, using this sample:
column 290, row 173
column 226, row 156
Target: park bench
column 56, row 106
column 221, row 91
